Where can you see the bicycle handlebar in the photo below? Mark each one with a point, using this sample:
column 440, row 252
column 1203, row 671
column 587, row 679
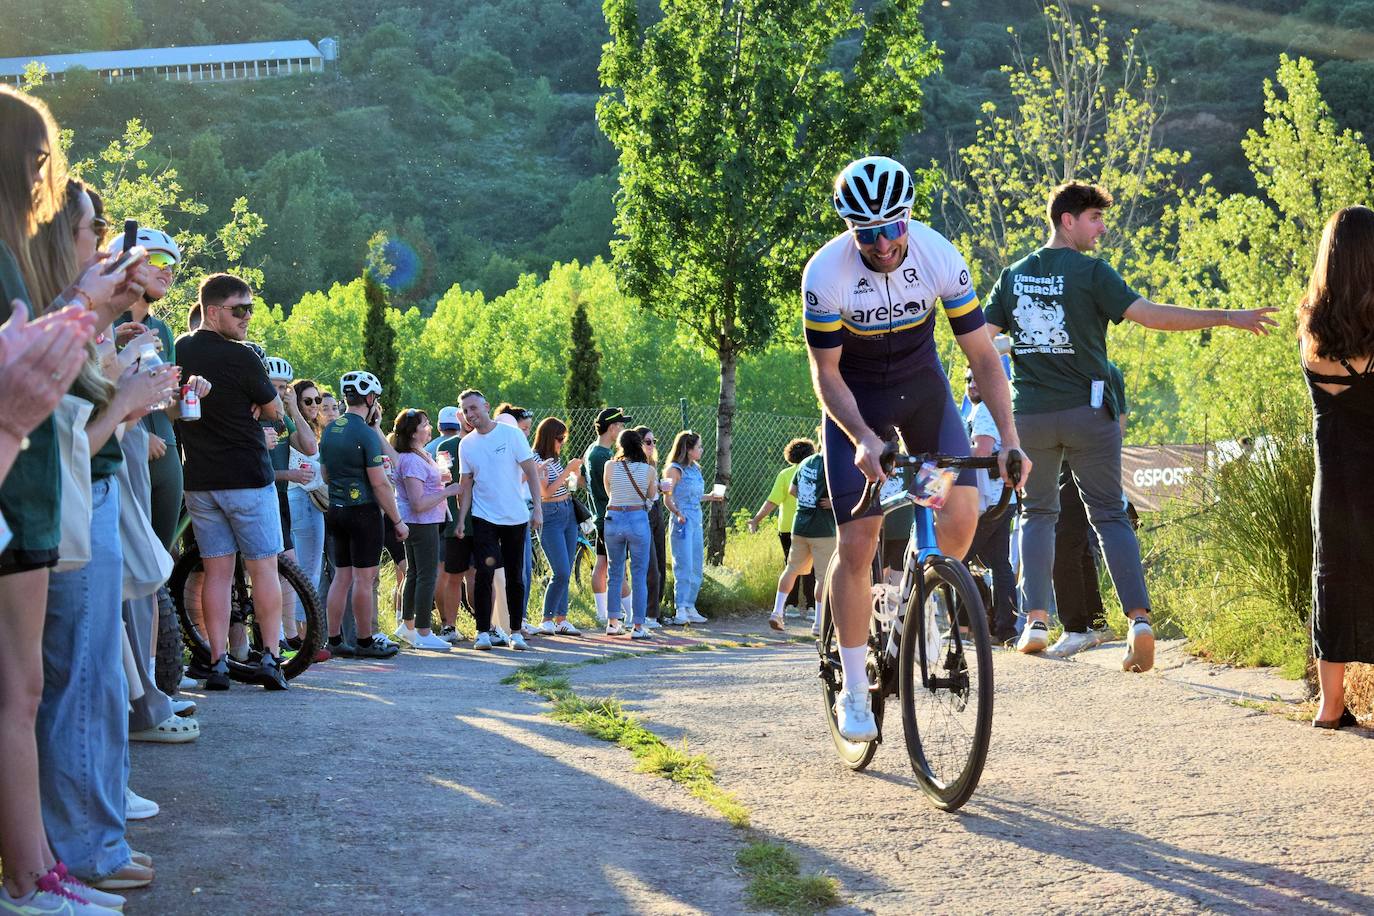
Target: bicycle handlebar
column 893, row 461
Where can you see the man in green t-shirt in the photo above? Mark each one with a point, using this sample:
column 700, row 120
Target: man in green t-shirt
column 609, row 423
column 1056, row 304
column 351, row 458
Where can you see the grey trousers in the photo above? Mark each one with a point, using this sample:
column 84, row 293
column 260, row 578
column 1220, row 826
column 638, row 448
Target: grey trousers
column 1090, row 440
column 154, row 706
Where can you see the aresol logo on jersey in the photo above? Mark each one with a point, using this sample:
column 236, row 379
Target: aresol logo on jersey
column 903, row 313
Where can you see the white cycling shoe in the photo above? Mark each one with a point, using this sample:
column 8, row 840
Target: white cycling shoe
column 854, row 717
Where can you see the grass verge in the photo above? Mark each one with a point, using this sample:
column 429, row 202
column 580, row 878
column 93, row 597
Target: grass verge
column 776, row 882
column 773, row 871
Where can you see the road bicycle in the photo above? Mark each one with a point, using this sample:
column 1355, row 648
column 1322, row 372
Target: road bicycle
column 185, row 584
column 928, row 645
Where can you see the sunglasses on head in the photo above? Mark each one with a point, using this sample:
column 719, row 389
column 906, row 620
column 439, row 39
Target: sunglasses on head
column 870, row 235
column 99, row 225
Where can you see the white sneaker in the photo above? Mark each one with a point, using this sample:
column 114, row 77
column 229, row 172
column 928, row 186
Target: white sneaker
column 694, row 617
column 854, row 717
column 408, row 635
column 517, row 641
column 547, row 628
column 614, row 627
column 183, row 707
column 680, row 619
column 651, row 623
column 816, row 627
column 791, row 611
column 1102, row 635
column 451, row 635
column 138, row 808
column 90, row 894
column 1140, row 646
column 1034, row 638
column 566, row 628
column 60, row 901
column 188, row 683
column 432, row 643
column 640, row 633
column 527, row 631
column 776, row 621
column 499, row 637
column 1071, row 644
column 483, row 641
column 382, row 641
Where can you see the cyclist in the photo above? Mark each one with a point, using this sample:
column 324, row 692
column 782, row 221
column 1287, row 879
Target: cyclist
column 869, row 295
column 351, row 458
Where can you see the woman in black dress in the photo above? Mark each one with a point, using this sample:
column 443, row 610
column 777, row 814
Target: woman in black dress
column 1336, row 325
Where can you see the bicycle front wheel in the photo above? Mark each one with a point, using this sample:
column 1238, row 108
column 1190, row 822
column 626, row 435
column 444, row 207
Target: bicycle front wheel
column 946, row 684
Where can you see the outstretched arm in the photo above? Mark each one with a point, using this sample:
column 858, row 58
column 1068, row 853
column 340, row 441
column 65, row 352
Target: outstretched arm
column 1161, row 317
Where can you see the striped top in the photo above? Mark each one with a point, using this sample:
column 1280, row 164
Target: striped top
column 622, row 491
column 554, row 469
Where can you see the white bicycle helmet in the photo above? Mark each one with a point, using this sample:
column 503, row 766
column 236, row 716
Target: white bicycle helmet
column 257, row 349
column 873, row 191
column 151, row 239
column 360, row 383
column 278, row 369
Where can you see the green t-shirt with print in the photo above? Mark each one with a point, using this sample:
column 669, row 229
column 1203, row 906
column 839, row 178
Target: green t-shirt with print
column 812, row 521
column 349, row 447
column 449, row 446
column 1055, row 304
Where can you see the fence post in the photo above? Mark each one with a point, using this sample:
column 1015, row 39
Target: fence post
column 682, row 408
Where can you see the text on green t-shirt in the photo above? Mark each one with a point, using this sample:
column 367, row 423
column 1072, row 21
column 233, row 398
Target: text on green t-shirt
column 348, row 448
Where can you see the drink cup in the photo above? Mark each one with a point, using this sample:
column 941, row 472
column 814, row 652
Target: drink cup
column 718, row 491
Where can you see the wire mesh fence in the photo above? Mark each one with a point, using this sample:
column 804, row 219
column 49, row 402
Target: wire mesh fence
column 756, row 450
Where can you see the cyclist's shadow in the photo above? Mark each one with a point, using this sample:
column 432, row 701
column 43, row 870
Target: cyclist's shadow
column 1205, row 879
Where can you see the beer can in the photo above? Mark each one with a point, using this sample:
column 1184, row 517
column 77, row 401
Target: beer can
column 190, row 403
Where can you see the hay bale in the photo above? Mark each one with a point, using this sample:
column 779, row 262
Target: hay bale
column 1359, row 689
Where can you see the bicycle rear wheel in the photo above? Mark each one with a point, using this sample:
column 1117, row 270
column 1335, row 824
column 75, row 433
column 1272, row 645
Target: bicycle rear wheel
column 185, row 585
column 947, row 715
column 854, row 754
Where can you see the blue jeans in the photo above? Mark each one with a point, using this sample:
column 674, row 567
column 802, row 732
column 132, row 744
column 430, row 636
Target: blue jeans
column 83, row 719
column 689, row 551
column 307, row 530
column 628, row 530
column 559, row 540
column 529, row 572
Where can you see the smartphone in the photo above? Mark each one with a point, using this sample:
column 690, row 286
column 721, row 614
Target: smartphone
column 130, row 234
column 130, row 257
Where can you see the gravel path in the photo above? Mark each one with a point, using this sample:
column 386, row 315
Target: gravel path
column 424, row 785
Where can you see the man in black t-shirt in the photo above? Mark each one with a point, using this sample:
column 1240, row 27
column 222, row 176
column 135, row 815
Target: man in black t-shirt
column 230, row 485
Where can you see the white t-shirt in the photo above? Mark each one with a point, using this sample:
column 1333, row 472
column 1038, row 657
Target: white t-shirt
column 981, row 423
column 493, row 459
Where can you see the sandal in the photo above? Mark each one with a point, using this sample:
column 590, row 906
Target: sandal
column 1346, row 720
column 172, row 730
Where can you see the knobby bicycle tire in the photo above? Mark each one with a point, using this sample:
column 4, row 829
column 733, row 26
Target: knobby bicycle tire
column 856, row 755
column 306, row 596
column 169, row 660
column 947, row 756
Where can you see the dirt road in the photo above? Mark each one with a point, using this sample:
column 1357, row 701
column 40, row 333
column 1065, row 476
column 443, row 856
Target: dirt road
column 425, row 785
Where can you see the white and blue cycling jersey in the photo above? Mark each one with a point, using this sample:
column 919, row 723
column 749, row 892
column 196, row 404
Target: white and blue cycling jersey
column 883, row 320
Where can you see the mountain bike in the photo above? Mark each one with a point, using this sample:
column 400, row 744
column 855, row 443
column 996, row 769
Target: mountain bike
column 928, row 644
column 185, row 583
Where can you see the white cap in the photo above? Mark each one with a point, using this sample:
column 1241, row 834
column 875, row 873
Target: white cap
column 449, row 416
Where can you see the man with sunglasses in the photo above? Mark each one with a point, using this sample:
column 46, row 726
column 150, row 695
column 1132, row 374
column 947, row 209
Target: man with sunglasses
column 155, row 275
column 869, row 303
column 231, row 491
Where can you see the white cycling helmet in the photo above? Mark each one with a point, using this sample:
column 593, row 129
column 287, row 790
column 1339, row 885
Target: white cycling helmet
column 278, row 369
column 359, row 383
column 151, row 239
column 873, row 191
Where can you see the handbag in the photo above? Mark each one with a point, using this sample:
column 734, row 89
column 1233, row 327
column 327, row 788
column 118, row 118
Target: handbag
column 638, row 492
column 74, row 451
column 580, row 511
column 147, row 564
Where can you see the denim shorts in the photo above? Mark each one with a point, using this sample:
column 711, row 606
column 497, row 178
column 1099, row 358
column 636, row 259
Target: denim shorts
column 247, row 521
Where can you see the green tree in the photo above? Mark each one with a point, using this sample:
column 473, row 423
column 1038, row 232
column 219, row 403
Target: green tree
column 379, row 337
column 584, row 363
column 1243, row 250
column 730, row 119
column 1086, row 111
